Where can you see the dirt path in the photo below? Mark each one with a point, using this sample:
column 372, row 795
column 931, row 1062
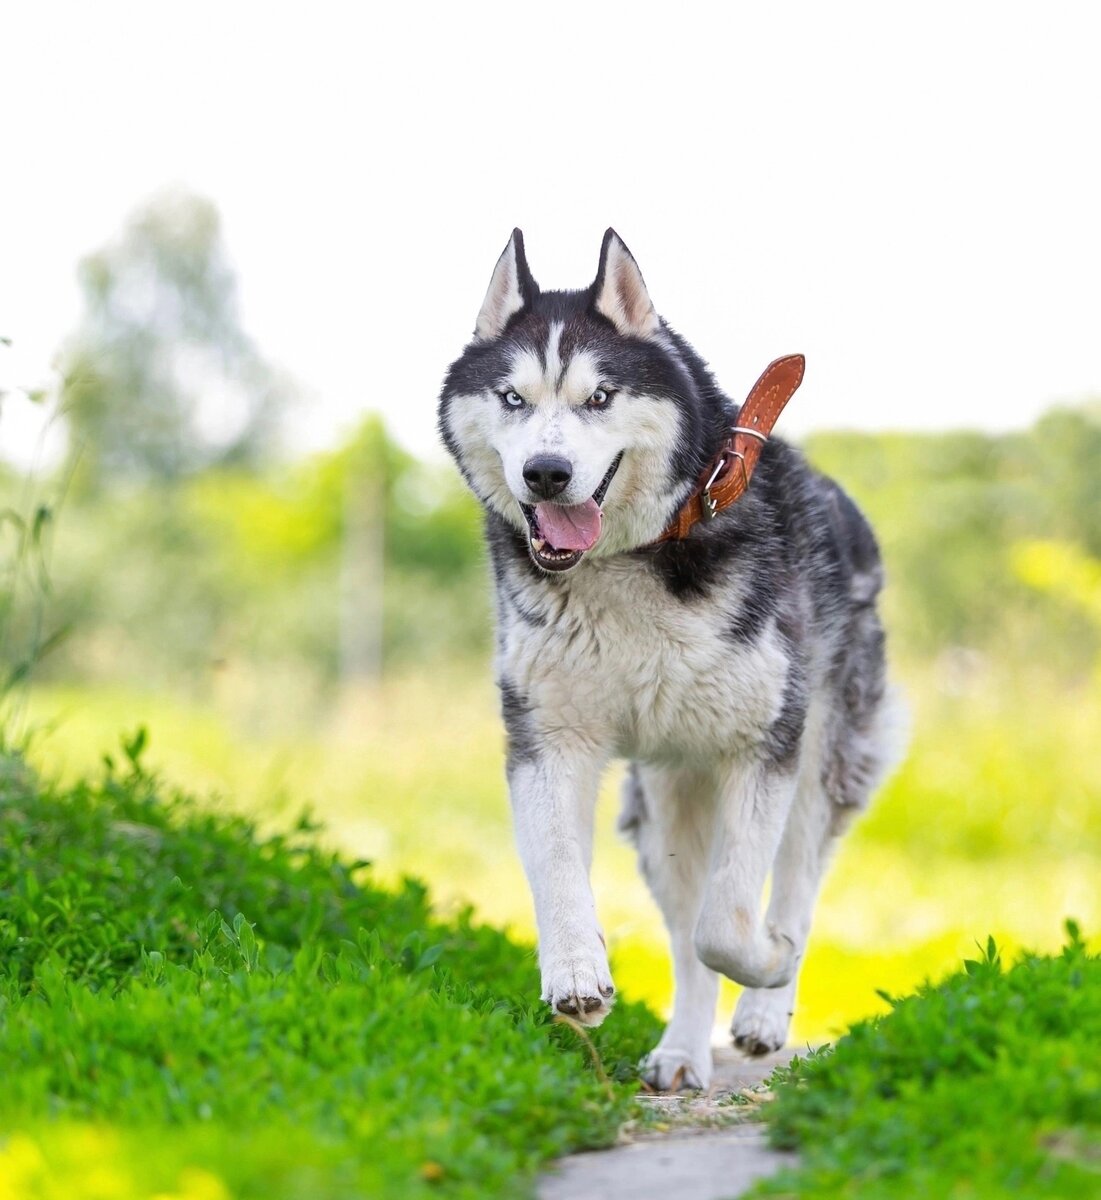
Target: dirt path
column 688, row 1147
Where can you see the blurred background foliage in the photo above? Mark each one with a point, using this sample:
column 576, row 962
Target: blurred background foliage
column 317, row 629
column 992, row 544
column 160, row 380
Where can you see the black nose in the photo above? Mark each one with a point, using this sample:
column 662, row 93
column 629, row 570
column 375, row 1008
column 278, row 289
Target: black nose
column 547, row 474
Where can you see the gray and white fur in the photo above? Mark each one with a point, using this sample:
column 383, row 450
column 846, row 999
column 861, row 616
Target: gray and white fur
column 740, row 671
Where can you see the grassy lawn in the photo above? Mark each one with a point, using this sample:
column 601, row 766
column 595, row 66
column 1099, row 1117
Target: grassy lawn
column 984, row 1086
column 190, row 1011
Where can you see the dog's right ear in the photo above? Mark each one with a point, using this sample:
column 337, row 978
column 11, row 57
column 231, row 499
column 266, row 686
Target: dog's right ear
column 511, row 289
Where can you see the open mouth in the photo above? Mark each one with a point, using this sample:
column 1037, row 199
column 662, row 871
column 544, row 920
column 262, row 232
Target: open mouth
column 559, row 534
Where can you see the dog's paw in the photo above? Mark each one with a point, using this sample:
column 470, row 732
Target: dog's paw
column 667, row 1069
column 764, row 958
column 761, row 1020
column 579, row 987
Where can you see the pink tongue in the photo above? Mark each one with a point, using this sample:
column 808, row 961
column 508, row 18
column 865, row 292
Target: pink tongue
column 575, row 527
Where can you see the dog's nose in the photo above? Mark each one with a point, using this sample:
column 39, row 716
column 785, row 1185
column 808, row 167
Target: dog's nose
column 548, row 474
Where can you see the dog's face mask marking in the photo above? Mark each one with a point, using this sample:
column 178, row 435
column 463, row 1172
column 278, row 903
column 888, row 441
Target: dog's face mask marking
column 567, row 411
column 560, row 443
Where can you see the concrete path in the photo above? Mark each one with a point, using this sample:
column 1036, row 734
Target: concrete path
column 691, row 1147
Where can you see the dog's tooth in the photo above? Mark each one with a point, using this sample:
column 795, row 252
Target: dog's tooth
column 537, row 543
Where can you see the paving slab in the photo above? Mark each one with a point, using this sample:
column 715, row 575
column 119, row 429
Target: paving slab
column 710, row 1166
column 734, row 1072
column 709, row 1147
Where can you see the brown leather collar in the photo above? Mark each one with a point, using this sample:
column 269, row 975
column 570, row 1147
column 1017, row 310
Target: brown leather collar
column 724, row 482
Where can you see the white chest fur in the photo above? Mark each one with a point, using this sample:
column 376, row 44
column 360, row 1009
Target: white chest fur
column 619, row 662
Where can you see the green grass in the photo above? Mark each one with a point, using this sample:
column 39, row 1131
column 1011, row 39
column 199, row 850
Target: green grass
column 190, row 1010
column 985, row 1085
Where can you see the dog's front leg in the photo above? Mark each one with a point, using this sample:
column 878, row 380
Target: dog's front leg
column 553, row 795
column 753, row 806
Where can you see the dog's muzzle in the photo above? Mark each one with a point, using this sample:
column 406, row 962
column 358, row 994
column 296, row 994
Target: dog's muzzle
column 559, row 534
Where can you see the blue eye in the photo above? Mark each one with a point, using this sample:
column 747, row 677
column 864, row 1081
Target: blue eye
column 512, row 399
column 599, row 398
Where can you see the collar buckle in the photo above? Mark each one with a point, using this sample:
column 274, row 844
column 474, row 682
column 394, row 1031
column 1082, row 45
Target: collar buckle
column 709, row 505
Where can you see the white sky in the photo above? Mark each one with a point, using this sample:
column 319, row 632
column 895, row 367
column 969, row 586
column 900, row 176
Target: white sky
column 909, row 194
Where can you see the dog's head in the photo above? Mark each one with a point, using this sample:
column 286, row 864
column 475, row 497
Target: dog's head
column 575, row 415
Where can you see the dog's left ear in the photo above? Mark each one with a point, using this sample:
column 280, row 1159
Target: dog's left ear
column 511, row 289
column 619, row 292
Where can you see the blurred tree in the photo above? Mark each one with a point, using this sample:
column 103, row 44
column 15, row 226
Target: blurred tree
column 160, row 380
column 1063, row 452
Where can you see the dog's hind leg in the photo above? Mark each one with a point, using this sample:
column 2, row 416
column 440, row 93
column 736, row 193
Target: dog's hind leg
column 763, row 1014
column 670, row 815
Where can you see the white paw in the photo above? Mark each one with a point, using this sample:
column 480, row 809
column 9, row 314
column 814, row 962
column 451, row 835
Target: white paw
column 667, row 1069
column 579, row 986
column 761, row 1019
column 762, row 959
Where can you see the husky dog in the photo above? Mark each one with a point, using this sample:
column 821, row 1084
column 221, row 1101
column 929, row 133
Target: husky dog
column 739, row 669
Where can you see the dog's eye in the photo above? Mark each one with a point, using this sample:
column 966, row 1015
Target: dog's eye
column 599, row 398
column 512, row 399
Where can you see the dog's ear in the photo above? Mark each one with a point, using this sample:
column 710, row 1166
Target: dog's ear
column 511, row 289
column 619, row 292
